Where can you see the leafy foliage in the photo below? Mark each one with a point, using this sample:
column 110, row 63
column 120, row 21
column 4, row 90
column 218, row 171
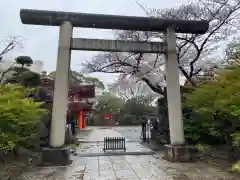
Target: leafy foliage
column 236, row 139
column 24, row 61
column 137, row 108
column 133, row 109
column 108, row 102
column 127, row 112
column 78, row 78
column 19, row 73
column 19, row 117
column 236, row 167
column 215, row 108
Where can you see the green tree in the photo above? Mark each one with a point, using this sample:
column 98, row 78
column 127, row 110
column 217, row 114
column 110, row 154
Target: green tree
column 19, row 73
column 19, row 117
column 106, row 103
column 215, row 108
column 137, row 108
column 133, row 109
column 77, row 77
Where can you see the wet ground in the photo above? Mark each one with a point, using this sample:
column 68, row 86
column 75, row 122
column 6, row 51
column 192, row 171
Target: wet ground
column 123, row 167
column 133, row 133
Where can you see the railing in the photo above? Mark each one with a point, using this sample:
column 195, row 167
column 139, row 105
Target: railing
column 114, row 143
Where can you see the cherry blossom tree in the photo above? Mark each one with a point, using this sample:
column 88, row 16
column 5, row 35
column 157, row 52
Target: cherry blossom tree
column 129, row 89
column 194, row 51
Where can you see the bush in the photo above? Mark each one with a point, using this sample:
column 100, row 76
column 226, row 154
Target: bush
column 236, row 139
column 19, row 117
column 236, row 167
column 215, row 109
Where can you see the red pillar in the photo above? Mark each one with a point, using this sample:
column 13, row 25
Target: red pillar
column 84, row 119
column 80, row 120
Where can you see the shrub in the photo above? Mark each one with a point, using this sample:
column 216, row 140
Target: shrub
column 236, row 167
column 236, row 139
column 215, row 108
column 19, row 117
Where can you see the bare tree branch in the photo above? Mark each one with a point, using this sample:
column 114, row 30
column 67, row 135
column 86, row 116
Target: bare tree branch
column 194, row 51
column 10, row 43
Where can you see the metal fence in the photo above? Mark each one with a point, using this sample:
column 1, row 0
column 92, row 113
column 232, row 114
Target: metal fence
column 114, row 143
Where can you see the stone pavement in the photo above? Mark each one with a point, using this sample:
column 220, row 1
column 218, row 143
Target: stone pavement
column 125, row 167
column 94, row 143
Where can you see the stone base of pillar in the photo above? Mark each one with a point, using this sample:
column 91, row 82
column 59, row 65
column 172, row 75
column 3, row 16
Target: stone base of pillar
column 55, row 156
column 180, row 153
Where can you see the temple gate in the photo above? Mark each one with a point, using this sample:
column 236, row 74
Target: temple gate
column 177, row 150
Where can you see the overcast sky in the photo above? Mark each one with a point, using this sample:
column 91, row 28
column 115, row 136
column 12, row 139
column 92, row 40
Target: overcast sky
column 40, row 42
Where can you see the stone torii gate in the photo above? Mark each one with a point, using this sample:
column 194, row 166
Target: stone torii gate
column 176, row 151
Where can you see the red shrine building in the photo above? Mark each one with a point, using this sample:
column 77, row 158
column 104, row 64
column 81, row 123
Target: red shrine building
column 80, row 98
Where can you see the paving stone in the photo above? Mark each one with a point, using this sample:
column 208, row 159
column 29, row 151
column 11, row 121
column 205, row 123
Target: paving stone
column 142, row 165
column 104, row 158
column 146, row 167
column 107, row 175
column 91, row 171
column 91, row 174
column 92, row 166
column 161, row 178
column 147, row 173
column 105, row 161
column 106, row 167
column 92, row 161
column 107, row 178
column 127, row 179
column 125, row 174
column 78, row 169
column 90, row 177
column 117, row 159
column 122, row 166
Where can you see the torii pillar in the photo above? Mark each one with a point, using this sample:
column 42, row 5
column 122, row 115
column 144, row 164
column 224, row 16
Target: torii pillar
column 57, row 154
column 61, row 86
column 177, row 151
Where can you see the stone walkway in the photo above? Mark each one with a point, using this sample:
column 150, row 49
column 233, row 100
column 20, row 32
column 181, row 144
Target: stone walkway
column 94, row 143
column 125, row 167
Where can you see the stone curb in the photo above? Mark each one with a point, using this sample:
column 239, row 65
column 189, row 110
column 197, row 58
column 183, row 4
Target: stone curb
column 115, row 154
column 82, row 141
